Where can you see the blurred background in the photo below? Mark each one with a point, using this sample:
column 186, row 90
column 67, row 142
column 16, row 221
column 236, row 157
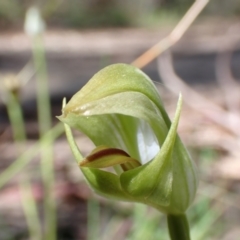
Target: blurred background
column 73, row 41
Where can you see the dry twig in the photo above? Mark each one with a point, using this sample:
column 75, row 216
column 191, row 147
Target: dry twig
column 173, row 37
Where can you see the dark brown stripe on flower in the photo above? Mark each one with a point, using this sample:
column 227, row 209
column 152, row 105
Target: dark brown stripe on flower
column 124, row 167
column 105, row 152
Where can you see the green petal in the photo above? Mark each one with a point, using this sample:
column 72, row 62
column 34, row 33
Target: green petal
column 153, row 181
column 105, row 184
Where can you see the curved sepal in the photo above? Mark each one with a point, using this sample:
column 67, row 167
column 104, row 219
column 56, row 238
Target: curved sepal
column 153, row 181
column 119, row 116
column 114, row 79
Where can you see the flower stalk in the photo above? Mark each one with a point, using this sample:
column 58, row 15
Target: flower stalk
column 178, row 227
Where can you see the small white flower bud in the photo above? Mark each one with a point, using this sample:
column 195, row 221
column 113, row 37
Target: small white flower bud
column 34, row 24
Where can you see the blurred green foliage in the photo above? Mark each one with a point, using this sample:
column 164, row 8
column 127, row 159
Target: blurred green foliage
column 105, row 13
column 10, row 12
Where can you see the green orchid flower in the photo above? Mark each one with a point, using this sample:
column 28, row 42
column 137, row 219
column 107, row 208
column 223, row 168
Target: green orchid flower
column 121, row 111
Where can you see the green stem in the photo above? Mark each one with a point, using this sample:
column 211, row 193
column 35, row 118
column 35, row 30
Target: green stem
column 30, row 210
column 178, row 227
column 44, row 120
column 71, row 141
column 16, row 119
column 93, row 218
column 19, row 134
column 29, row 154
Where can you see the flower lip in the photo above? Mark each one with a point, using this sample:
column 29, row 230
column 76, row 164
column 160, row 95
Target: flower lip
column 102, row 157
column 103, row 152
